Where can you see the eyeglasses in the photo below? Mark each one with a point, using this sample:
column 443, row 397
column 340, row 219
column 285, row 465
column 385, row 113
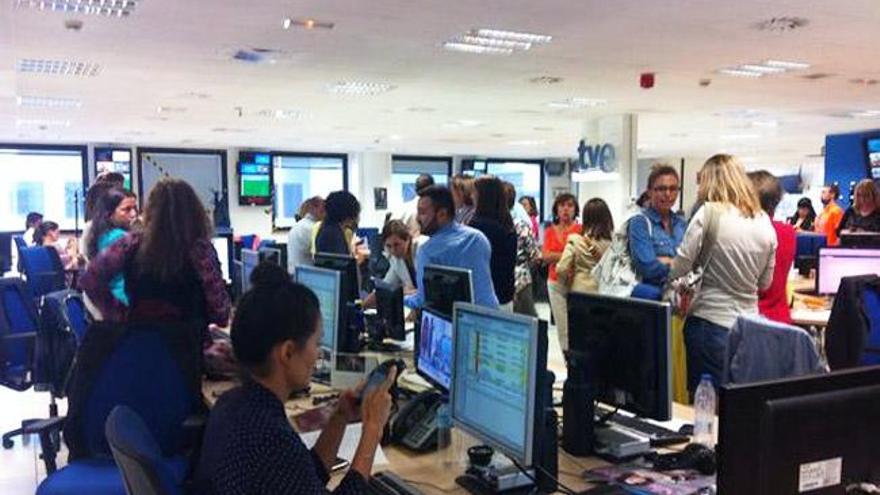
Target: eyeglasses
column 666, row 189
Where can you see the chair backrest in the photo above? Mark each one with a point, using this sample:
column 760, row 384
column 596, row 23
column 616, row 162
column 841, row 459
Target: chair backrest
column 19, row 242
column 43, row 269
column 155, row 369
column 871, row 301
column 18, row 334
column 760, row 349
column 62, row 328
column 138, row 455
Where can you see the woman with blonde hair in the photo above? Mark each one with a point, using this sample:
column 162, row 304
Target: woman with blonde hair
column 463, row 195
column 864, row 214
column 740, row 246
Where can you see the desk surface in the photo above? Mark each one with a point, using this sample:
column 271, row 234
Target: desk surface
column 426, row 471
column 804, row 310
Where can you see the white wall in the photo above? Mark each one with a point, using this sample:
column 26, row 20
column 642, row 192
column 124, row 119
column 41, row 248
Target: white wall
column 618, row 190
column 369, row 170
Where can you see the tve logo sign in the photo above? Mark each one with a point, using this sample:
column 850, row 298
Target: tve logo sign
column 596, row 157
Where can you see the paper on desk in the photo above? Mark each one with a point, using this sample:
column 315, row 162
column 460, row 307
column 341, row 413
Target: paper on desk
column 348, row 445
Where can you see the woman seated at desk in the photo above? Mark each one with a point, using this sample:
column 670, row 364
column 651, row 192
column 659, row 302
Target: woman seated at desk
column 401, row 250
column 864, row 214
column 249, row 445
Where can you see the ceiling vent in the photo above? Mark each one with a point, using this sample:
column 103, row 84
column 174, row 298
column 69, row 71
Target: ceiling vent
column 546, row 80
column 105, row 8
column 256, row 55
column 782, row 24
column 817, row 76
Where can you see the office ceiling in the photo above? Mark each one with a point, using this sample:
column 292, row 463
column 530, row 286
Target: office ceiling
column 178, row 55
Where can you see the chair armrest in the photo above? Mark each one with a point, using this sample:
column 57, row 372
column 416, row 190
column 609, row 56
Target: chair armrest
column 45, row 425
column 50, row 440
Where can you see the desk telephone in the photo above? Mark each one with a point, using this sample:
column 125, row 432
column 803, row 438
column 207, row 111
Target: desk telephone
column 415, row 425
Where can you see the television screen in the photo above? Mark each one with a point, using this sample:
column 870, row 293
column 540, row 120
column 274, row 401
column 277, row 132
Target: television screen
column 874, row 158
column 114, row 160
column 255, row 176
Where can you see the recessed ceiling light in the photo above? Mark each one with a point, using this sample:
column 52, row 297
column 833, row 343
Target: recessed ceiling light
column 514, row 35
column 307, row 23
column 106, row 8
column 787, row 65
column 168, row 109
column 47, row 102
column 41, row 123
column 456, row 46
column 359, row 88
column 578, row 102
column 57, row 67
column 281, row 114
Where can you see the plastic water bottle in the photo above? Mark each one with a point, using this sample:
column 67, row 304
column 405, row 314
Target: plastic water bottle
column 704, row 412
column 444, row 433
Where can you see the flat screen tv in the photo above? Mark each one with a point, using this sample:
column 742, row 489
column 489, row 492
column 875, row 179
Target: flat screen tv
column 873, row 145
column 255, row 179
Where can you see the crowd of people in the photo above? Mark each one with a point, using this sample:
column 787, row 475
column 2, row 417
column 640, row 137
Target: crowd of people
column 159, row 265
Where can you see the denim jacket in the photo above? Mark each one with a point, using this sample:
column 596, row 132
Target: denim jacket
column 646, row 245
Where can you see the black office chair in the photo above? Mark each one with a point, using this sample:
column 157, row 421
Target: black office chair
column 18, row 337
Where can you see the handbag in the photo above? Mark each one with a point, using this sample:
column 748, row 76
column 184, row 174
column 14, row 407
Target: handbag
column 614, row 273
column 682, row 291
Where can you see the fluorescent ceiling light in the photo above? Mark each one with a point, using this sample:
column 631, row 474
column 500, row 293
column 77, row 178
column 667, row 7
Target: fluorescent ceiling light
column 456, row 46
column 784, row 64
column 514, row 36
column 359, row 88
column 865, row 114
column 463, row 123
column 41, row 123
column 281, row 114
column 57, row 67
column 481, row 41
column 740, row 73
column 307, row 23
column 106, row 8
column 578, row 102
column 765, row 123
column 527, row 142
column 47, row 102
column 762, row 68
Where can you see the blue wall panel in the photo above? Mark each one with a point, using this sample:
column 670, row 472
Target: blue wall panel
column 846, row 160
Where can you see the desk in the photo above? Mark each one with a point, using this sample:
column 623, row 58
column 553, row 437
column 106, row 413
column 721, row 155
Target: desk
column 426, row 471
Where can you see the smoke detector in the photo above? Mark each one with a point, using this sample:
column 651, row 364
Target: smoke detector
column 782, row 24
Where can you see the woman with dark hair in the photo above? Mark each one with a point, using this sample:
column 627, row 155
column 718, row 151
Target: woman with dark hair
column 400, row 248
column 170, row 268
column 583, row 251
column 335, row 234
column 492, row 218
column 804, row 217
column 249, row 445
column 462, row 188
column 531, row 207
column 48, row 234
column 528, row 254
column 555, row 236
column 113, row 214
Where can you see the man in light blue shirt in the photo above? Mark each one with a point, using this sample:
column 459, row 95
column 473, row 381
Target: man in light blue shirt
column 299, row 239
column 451, row 244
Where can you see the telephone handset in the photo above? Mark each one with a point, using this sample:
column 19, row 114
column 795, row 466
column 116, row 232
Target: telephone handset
column 415, row 425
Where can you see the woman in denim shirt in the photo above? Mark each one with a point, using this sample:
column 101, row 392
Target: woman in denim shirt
column 652, row 249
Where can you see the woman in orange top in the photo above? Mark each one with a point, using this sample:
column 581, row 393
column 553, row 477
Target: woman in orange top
column 565, row 211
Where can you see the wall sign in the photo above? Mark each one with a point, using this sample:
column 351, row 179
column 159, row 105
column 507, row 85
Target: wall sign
column 596, row 157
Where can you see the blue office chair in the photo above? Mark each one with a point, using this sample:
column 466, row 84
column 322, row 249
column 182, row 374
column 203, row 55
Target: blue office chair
column 19, row 242
column 871, row 301
column 154, row 369
column 43, row 270
column 18, row 336
column 144, row 470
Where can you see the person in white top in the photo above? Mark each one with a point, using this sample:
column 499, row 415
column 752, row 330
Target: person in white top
column 31, row 223
column 740, row 263
column 408, row 212
column 299, row 239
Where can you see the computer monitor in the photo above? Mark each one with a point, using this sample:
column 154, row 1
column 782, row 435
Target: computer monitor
column 813, row 434
column 237, row 273
column 434, row 352
column 836, row 263
column 390, row 322
column 325, row 284
column 249, row 260
column 347, row 266
column 495, row 378
column 272, row 255
column 860, row 240
column 223, row 245
column 623, row 347
column 446, row 285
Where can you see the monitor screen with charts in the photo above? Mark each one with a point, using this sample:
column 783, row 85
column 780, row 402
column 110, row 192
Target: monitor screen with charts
column 834, row 264
column 494, row 381
column 434, row 359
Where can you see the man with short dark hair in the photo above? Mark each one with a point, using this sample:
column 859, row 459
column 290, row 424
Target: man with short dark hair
column 409, row 211
column 828, row 221
column 451, row 244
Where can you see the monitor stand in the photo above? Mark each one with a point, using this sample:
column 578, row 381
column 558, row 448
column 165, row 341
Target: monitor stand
column 385, row 347
column 486, row 481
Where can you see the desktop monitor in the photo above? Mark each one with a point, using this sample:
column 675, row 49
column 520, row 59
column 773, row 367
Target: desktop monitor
column 249, row 260
column 497, row 367
column 835, row 263
column 813, row 434
column 434, row 351
column 223, row 246
column 347, row 266
column 325, row 284
column 622, row 345
column 389, row 312
column 272, row 255
column 237, row 274
column 860, row 240
column 446, row 285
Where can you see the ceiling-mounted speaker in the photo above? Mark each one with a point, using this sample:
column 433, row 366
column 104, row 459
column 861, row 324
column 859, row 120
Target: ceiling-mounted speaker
column 555, row 168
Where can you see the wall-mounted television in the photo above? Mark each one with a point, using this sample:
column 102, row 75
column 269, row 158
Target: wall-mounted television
column 114, row 160
column 255, row 178
column 873, row 145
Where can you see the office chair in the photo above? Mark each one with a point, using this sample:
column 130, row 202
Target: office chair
column 18, row 336
column 62, row 329
column 42, row 268
column 138, row 457
column 759, row 349
column 154, row 369
column 871, row 302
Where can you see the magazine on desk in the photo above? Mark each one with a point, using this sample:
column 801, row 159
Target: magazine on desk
column 639, row 479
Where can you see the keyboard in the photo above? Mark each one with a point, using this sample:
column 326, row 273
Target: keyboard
column 658, row 435
column 388, row 483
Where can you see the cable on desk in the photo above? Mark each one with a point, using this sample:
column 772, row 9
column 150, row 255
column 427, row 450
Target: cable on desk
column 563, row 488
